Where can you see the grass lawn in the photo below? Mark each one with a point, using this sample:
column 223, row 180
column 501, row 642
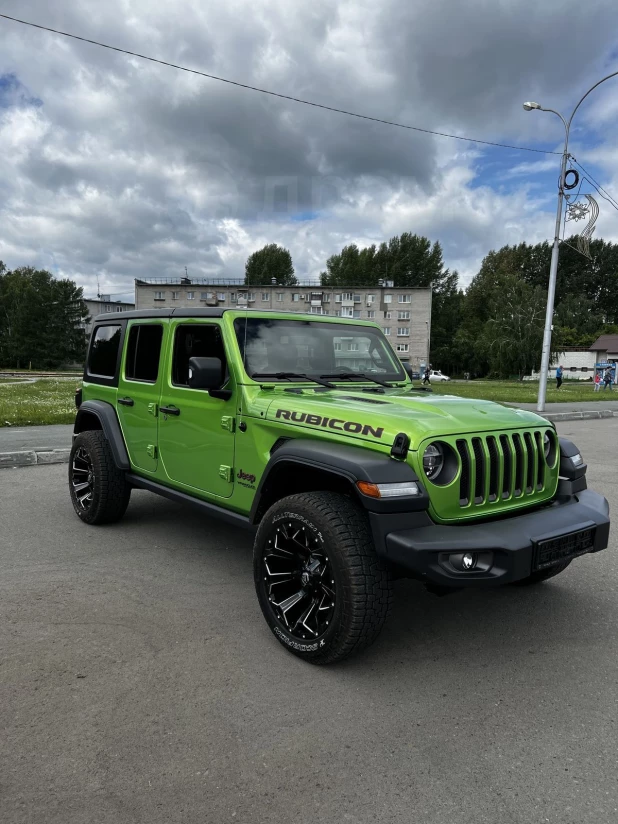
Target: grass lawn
column 525, row 391
column 33, row 404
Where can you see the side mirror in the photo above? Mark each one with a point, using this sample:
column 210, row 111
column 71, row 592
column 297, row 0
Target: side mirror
column 205, row 373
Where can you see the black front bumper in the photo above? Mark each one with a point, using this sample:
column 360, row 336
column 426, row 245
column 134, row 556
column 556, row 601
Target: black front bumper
column 421, row 551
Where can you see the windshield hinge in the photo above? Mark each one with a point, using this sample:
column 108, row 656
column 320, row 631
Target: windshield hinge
column 225, row 472
column 227, row 422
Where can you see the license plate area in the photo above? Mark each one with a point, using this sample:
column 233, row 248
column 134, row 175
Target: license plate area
column 556, row 550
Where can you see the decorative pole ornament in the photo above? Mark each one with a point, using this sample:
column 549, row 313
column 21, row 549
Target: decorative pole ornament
column 580, row 210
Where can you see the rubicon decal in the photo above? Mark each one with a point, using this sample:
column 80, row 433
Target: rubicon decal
column 331, row 423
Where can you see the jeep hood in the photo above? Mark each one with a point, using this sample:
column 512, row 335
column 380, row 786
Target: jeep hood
column 380, row 417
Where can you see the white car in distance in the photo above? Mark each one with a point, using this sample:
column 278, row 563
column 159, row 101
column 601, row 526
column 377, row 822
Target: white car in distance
column 436, row 375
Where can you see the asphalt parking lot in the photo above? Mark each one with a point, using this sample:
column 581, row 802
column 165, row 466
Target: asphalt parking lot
column 139, row 682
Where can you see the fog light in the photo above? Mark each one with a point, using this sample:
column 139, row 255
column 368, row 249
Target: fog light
column 468, row 561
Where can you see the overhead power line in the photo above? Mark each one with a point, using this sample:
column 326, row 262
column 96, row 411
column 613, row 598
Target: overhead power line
column 603, row 192
column 277, row 94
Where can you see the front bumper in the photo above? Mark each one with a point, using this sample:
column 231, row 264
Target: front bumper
column 512, row 542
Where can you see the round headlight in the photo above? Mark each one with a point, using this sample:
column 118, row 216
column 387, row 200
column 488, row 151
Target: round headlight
column 433, row 460
column 546, row 444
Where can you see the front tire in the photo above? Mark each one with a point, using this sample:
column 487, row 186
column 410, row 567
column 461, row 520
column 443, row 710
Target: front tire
column 99, row 490
column 321, row 586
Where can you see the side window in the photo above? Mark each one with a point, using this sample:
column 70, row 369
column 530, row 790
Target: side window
column 103, row 355
column 143, row 353
column 196, row 341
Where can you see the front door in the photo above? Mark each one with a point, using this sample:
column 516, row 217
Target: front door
column 139, row 387
column 196, row 431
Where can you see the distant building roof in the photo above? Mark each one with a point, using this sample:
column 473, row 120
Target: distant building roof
column 606, row 343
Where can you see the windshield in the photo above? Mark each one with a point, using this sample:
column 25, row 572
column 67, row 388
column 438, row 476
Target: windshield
column 314, row 348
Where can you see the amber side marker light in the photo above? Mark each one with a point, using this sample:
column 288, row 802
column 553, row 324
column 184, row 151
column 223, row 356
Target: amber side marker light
column 401, row 490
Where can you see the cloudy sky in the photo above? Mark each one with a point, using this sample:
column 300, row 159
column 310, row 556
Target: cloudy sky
column 115, row 168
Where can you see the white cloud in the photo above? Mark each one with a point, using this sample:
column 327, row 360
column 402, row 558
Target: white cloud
column 128, row 169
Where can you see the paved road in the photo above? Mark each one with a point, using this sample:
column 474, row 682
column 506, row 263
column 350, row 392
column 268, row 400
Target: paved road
column 140, row 684
column 17, row 438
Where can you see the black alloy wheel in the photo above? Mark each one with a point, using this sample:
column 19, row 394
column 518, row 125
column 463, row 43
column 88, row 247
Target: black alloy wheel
column 323, row 590
column 82, row 478
column 99, row 489
column 299, row 581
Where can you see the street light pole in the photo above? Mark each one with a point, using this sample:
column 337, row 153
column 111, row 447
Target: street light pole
column 555, row 252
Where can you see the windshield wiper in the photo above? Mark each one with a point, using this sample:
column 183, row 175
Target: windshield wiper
column 360, row 375
column 290, row 376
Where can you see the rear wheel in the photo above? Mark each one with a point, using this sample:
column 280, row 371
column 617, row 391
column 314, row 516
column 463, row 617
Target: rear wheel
column 99, row 490
column 542, row 575
column 322, row 588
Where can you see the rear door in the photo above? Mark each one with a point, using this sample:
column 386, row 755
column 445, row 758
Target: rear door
column 139, row 387
column 196, row 431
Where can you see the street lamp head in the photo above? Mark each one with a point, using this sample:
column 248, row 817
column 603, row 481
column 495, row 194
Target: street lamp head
column 530, row 106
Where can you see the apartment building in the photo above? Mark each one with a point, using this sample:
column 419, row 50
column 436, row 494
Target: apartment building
column 103, row 305
column 403, row 313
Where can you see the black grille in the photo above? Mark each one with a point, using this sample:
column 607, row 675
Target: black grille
column 464, row 478
column 494, row 467
column 519, row 465
column 507, row 465
column 479, row 474
column 500, row 467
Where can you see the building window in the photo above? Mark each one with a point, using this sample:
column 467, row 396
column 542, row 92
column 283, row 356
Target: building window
column 403, row 316
column 190, row 295
column 356, row 313
column 584, row 369
column 388, row 315
column 325, row 298
column 370, row 299
column 233, row 297
column 295, row 297
column 119, row 309
column 279, row 296
column 403, row 331
column 250, row 296
column 158, row 296
column 265, row 295
column 403, row 347
column 357, row 298
column 403, row 298
column 337, row 313
column 387, row 330
column 220, row 295
column 388, row 298
column 352, row 347
column 371, row 313
column 337, row 298
column 337, row 347
column 109, row 307
column 347, row 312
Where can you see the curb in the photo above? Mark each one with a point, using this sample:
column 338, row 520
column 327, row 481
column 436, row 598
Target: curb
column 11, row 460
column 592, row 414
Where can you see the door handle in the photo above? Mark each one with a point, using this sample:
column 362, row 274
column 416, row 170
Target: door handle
column 169, row 410
column 126, row 401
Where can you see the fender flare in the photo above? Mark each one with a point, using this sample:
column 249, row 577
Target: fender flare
column 107, row 417
column 352, row 463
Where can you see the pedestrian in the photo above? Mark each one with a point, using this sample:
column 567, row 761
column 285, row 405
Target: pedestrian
column 426, row 375
column 597, row 381
column 607, row 380
column 559, row 377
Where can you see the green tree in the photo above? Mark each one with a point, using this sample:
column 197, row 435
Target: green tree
column 272, row 261
column 513, row 334
column 41, row 319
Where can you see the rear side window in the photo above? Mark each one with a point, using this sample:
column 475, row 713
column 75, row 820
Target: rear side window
column 143, row 353
column 103, row 355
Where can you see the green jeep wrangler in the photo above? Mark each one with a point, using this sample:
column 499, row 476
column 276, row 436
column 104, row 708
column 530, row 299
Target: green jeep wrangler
column 308, row 431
